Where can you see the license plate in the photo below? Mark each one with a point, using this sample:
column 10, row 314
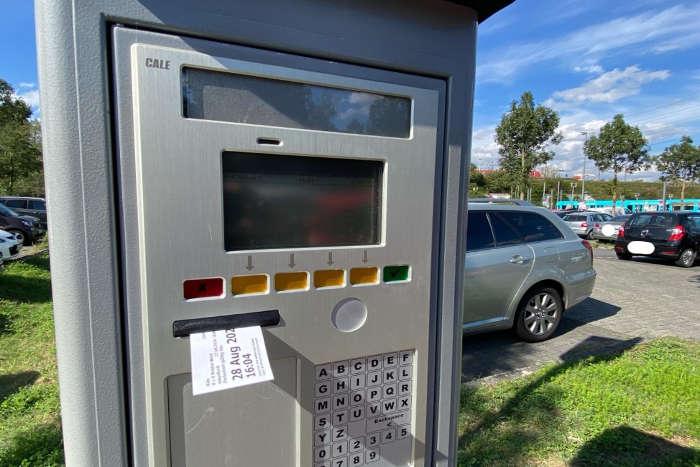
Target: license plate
column 640, row 248
column 609, row 230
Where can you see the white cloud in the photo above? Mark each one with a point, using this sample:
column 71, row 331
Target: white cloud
column 612, row 85
column 676, row 26
column 484, row 148
column 31, row 97
column 29, row 93
column 593, row 69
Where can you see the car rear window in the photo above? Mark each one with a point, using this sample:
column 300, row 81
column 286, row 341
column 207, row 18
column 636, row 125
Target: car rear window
column 504, row 231
column 693, row 223
column 575, row 218
column 654, row 220
column 479, row 235
column 37, row 204
column 15, row 203
column 620, row 218
column 531, row 227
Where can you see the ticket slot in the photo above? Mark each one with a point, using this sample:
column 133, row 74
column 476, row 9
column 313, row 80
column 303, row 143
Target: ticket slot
column 185, row 327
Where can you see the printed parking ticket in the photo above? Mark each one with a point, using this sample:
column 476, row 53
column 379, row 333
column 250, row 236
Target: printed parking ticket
column 228, row 359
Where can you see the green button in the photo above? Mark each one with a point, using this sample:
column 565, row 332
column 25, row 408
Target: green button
column 396, row 273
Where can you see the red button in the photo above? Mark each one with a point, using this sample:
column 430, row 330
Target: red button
column 203, row 288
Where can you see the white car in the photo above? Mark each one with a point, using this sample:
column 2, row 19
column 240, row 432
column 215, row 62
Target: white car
column 9, row 246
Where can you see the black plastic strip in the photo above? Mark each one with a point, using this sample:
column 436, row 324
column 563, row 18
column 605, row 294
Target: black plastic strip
column 185, row 327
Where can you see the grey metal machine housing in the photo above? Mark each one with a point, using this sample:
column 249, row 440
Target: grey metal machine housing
column 124, row 164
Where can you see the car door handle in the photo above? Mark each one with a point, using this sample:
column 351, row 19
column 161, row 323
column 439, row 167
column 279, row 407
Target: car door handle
column 519, row 259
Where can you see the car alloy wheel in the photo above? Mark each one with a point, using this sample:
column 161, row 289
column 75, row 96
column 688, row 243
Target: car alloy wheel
column 539, row 314
column 687, row 258
column 19, row 235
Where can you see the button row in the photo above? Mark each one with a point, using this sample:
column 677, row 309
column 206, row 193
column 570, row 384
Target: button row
column 297, row 281
column 360, row 450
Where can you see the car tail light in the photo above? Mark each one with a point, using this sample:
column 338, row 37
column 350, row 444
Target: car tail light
column 588, row 246
column 621, row 232
column 596, row 226
column 677, row 233
column 584, row 224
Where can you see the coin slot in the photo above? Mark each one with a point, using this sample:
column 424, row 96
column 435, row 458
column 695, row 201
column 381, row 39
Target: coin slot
column 253, row 284
column 291, row 281
column 329, row 278
column 364, row 276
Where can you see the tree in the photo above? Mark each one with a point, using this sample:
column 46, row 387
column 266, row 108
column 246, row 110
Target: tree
column 618, row 147
column 680, row 162
column 477, row 181
column 20, row 153
column 523, row 136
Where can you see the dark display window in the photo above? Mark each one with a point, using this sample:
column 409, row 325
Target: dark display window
column 279, row 201
column 230, row 97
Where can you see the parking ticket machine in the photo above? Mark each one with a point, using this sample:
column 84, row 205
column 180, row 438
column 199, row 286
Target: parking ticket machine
column 296, row 168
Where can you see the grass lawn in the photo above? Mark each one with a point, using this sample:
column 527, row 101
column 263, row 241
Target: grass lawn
column 30, row 431
column 641, row 408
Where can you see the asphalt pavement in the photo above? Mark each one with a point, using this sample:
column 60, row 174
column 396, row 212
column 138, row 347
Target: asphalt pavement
column 632, row 301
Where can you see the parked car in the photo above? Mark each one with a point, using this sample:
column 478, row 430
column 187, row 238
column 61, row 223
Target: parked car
column 524, row 267
column 671, row 235
column 11, row 222
column 515, row 202
column 9, row 245
column 583, row 223
column 24, row 205
column 561, row 214
column 608, row 229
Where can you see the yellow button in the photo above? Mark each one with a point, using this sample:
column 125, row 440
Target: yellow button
column 249, row 285
column 286, row 281
column 363, row 276
column 329, row 278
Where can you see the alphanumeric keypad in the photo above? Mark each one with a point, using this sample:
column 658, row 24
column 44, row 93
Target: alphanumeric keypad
column 360, row 406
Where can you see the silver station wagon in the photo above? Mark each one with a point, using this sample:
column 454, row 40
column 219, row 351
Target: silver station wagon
column 524, row 267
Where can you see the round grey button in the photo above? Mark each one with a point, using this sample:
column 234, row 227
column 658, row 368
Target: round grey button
column 349, row 315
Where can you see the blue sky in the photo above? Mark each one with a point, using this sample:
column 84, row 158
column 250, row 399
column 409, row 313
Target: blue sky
column 18, row 49
column 588, row 59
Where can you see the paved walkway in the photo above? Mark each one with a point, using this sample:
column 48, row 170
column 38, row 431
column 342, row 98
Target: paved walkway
column 632, row 301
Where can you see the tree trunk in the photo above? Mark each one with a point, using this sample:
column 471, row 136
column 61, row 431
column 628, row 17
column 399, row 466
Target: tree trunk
column 614, row 199
column 523, row 175
column 682, row 190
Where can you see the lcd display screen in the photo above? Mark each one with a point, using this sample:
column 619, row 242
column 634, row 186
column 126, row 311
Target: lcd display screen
column 279, row 201
column 228, row 97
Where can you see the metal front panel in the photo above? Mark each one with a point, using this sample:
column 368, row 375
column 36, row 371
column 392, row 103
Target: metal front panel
column 178, row 235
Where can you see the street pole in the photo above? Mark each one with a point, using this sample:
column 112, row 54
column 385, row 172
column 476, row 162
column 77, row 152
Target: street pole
column 583, row 176
column 544, row 191
column 663, row 197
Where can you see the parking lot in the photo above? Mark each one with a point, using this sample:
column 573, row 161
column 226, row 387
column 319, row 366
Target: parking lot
column 632, row 301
